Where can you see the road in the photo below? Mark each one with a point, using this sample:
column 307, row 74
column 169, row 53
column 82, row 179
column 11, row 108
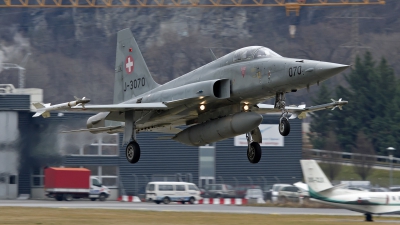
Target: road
column 175, row 207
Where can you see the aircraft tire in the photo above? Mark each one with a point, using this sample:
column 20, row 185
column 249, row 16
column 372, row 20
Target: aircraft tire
column 284, row 127
column 132, row 152
column 254, row 152
column 368, row 218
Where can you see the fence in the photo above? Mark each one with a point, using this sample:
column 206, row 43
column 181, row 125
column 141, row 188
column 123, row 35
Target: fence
column 347, row 157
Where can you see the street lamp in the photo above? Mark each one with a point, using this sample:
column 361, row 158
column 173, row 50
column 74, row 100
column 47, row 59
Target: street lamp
column 390, row 151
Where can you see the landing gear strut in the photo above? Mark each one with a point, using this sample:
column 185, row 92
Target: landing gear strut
column 132, row 151
column 253, row 150
column 284, row 125
column 368, row 218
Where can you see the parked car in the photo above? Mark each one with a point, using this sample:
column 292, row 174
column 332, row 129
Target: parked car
column 267, row 191
column 275, row 191
column 291, row 194
column 166, row 192
column 381, row 189
column 394, row 189
column 241, row 190
column 219, row 191
column 254, row 194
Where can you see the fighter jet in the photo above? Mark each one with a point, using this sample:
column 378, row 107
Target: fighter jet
column 219, row 100
column 321, row 190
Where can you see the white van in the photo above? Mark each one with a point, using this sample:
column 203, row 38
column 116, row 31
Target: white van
column 167, row 192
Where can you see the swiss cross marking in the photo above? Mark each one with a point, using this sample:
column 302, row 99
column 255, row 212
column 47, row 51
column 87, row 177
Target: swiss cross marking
column 129, row 64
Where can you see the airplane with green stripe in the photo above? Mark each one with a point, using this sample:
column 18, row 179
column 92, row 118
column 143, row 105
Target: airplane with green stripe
column 368, row 203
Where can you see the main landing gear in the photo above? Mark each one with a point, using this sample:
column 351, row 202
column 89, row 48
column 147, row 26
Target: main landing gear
column 132, row 151
column 368, row 217
column 253, row 150
column 284, row 125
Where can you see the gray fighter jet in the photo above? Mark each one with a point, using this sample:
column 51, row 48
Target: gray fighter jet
column 216, row 101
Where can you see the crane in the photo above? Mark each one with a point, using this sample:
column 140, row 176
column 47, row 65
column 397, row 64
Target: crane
column 290, row 5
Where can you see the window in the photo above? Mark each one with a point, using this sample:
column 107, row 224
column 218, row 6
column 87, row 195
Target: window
column 165, row 187
column 150, row 187
column 243, row 54
column 108, row 175
column 104, row 144
column 180, row 188
column 37, row 177
column 96, row 182
column 194, row 188
column 218, row 187
column 266, row 53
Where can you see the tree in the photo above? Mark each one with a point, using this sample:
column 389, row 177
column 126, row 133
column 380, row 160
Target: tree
column 364, row 158
column 331, row 160
column 320, row 126
column 372, row 94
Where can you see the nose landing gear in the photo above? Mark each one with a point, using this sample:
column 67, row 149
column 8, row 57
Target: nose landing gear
column 284, row 125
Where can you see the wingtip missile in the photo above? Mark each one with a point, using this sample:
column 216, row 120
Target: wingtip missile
column 338, row 104
column 44, row 109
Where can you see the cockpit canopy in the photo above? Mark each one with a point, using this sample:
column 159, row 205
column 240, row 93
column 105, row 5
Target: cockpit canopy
column 253, row 52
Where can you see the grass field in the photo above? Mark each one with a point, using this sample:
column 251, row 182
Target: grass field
column 65, row 216
column 377, row 177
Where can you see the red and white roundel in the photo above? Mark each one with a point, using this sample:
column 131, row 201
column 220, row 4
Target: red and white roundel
column 129, row 64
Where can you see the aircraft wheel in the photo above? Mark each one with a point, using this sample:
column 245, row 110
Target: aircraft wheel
column 254, row 152
column 368, row 218
column 132, row 152
column 284, row 127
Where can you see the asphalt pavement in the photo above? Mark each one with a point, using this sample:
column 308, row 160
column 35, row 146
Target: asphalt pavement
column 175, row 207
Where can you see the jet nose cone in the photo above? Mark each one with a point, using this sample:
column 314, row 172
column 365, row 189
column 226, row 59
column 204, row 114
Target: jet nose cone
column 327, row 69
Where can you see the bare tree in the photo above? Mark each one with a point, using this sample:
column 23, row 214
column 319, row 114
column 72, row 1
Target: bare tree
column 364, row 158
column 331, row 160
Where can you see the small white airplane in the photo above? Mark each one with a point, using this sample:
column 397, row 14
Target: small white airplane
column 321, row 190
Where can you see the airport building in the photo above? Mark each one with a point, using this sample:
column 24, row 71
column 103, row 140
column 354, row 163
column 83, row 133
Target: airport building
column 28, row 145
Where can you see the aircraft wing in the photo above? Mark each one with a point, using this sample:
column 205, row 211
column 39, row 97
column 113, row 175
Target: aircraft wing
column 44, row 109
column 301, row 110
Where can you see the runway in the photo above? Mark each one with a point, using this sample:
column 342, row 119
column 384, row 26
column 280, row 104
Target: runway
column 175, row 207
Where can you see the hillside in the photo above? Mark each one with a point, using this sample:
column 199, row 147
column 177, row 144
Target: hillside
column 73, row 50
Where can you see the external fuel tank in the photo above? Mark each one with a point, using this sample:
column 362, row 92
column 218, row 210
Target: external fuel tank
column 219, row 129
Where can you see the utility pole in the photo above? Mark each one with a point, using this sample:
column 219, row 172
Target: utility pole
column 355, row 43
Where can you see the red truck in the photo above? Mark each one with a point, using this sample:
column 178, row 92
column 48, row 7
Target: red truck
column 69, row 183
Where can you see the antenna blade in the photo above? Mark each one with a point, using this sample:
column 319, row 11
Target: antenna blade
column 213, row 55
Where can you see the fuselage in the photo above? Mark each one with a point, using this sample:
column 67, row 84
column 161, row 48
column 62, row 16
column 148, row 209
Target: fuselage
column 361, row 201
column 255, row 74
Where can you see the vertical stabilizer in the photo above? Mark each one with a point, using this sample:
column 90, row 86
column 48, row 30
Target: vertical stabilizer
column 314, row 176
column 132, row 77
